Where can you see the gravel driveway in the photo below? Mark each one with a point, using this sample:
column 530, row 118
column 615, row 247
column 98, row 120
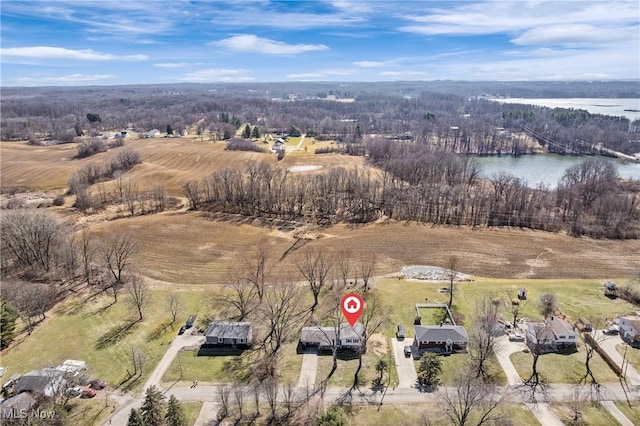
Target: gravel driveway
column 407, row 375
column 503, row 349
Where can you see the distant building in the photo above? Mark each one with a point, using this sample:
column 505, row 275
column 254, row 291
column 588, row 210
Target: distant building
column 46, row 382
column 153, row 133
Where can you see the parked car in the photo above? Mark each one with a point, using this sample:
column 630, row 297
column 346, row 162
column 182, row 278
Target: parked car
column 74, row 391
column 182, row 329
column 97, row 384
column 407, row 351
column 400, row 331
column 612, row 329
column 443, row 289
column 88, row 392
column 516, row 337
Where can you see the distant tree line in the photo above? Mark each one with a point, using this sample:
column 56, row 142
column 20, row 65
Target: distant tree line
column 449, row 117
column 427, row 187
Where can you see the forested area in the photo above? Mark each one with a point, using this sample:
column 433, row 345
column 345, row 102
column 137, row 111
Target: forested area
column 450, row 116
column 426, row 187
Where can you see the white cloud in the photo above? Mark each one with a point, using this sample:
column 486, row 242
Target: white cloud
column 253, row 43
column 218, row 74
column 369, row 64
column 282, row 20
column 49, row 52
column 71, row 79
column 171, row 65
column 491, row 17
column 573, row 34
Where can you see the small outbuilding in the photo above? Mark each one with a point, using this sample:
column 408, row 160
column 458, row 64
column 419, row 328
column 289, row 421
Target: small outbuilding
column 522, row 293
column 610, row 289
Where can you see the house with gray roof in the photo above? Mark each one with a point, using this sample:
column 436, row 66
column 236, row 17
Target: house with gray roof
column 447, row 338
column 15, row 407
column 46, row 382
column 325, row 338
column 227, row 333
column 552, row 335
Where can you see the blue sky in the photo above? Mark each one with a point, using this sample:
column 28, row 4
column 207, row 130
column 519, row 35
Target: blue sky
column 106, row 42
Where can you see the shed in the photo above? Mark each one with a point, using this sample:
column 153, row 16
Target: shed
column 522, row 293
column 610, row 289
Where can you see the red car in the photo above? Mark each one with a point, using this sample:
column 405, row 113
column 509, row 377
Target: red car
column 88, row 392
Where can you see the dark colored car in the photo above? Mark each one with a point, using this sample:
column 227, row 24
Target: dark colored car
column 400, row 331
column 97, row 384
column 182, row 329
column 407, row 351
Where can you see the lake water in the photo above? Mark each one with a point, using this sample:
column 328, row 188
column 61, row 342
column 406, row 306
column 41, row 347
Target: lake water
column 544, row 168
column 615, row 107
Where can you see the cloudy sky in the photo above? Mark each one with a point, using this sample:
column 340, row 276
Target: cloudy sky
column 65, row 42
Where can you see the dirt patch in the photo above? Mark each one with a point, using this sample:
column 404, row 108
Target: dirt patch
column 378, row 344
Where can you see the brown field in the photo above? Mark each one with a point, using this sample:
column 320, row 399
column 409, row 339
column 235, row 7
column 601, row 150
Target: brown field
column 194, row 248
column 170, row 161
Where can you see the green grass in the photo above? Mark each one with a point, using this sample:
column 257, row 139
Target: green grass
column 205, row 369
column 557, row 368
column 89, row 412
column 591, row 414
column 432, row 316
column 632, row 354
column 343, row 376
column 191, row 411
column 632, row 413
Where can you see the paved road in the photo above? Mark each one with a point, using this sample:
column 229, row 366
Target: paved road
column 545, row 414
column 121, row 416
column 503, row 349
column 407, row 376
column 308, row 370
column 616, row 413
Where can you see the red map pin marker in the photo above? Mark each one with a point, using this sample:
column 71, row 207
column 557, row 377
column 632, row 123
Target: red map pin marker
column 352, row 305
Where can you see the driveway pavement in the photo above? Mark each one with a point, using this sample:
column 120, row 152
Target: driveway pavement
column 608, row 343
column 503, row 349
column 545, row 414
column 616, row 413
column 407, row 375
column 308, row 370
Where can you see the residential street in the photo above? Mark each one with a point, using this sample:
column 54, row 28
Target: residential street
column 404, row 393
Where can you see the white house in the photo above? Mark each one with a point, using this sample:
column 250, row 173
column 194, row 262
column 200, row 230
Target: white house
column 153, row 133
column 324, row 338
column 550, row 336
column 630, row 329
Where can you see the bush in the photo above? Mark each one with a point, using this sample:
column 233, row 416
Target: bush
column 59, row 200
column 243, row 145
column 125, row 160
column 330, row 150
column 90, row 147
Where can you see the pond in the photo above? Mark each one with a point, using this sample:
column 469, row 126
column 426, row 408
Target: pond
column 544, row 168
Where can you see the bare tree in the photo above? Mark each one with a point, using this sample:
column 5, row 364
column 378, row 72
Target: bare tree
column 237, row 390
column 224, row 393
column 470, row 400
column 280, row 312
column 537, row 335
column 139, row 296
column 175, row 305
column 590, row 341
column 451, row 274
column 117, row 251
column 240, row 295
column 88, row 252
column 343, row 266
column 258, row 269
column 513, row 306
column 366, row 266
column 482, row 335
column 31, row 300
column 271, row 389
column 548, row 304
column 256, row 391
column 315, row 266
column 372, row 318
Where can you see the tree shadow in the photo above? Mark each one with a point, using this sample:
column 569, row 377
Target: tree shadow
column 157, row 332
column 116, row 334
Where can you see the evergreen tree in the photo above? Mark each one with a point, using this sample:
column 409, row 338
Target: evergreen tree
column 8, row 316
column 246, row 133
column 255, row 133
column 169, row 129
column 294, row 131
column 429, row 369
column 135, row 418
column 358, row 131
column 153, row 407
column 175, row 413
